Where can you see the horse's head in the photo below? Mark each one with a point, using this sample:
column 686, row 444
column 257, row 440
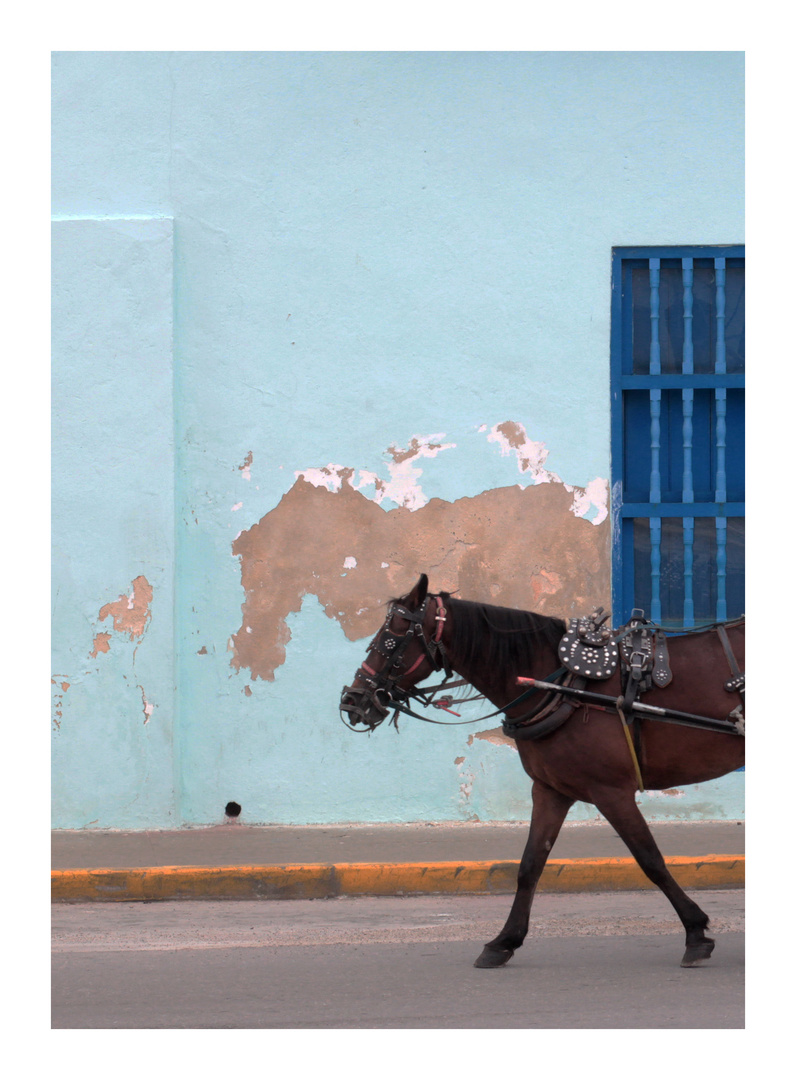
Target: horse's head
column 406, row 649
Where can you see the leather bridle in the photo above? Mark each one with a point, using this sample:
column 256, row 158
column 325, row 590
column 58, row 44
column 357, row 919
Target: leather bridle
column 379, row 690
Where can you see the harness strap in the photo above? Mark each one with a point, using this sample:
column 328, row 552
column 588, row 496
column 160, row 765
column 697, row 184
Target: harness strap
column 630, row 740
column 736, row 683
column 550, row 714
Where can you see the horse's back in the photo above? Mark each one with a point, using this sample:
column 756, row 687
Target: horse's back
column 703, row 668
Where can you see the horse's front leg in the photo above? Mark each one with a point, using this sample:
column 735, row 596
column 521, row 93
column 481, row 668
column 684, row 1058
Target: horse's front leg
column 549, row 810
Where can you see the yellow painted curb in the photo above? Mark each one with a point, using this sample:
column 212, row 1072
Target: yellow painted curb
column 316, row 881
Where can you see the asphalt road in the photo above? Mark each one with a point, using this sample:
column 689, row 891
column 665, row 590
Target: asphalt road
column 607, row 960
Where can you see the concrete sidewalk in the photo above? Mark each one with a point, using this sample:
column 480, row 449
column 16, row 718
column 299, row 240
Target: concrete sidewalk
column 310, row 862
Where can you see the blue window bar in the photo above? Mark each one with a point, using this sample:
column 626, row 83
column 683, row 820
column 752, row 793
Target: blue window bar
column 677, row 434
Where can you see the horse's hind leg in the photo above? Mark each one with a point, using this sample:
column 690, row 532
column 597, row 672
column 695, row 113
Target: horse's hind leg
column 621, row 811
column 549, row 810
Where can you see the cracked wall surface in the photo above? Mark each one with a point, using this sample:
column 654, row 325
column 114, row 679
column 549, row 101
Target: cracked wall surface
column 513, row 546
column 112, row 523
column 356, row 305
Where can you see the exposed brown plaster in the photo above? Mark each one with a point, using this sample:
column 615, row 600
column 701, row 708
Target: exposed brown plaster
column 130, row 614
column 202, row 651
column 247, row 462
column 58, row 701
column 514, row 434
column 342, row 475
column 411, row 451
column 494, row 735
column 520, row 547
column 102, row 643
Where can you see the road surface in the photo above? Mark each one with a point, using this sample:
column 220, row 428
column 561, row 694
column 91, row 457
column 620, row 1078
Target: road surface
column 591, row 960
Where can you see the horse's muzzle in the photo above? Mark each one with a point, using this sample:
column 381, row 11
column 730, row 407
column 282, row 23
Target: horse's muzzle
column 364, row 706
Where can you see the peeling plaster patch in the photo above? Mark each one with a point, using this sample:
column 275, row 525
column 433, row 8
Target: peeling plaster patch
column 419, row 446
column 371, row 479
column 402, row 487
column 591, row 502
column 202, row 651
column 102, row 643
column 149, row 708
column 531, row 456
column 331, row 477
column 237, row 506
column 58, row 701
column 466, row 787
column 246, row 467
column 494, row 735
column 466, row 781
column 350, row 562
column 517, row 546
column 130, row 614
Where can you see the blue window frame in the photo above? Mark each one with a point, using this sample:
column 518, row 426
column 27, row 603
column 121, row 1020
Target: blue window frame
column 677, row 433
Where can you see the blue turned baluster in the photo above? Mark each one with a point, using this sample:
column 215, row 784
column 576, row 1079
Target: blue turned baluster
column 688, row 440
column 721, row 445
column 655, row 439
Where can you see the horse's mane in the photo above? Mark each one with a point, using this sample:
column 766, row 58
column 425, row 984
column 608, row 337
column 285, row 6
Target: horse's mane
column 498, row 636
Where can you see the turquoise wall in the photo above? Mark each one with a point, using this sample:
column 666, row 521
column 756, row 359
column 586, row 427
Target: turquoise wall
column 276, row 274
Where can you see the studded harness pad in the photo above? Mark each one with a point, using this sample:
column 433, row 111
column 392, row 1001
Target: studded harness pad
column 588, row 648
column 592, row 650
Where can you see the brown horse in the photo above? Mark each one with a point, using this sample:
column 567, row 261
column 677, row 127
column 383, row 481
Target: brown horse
column 587, row 758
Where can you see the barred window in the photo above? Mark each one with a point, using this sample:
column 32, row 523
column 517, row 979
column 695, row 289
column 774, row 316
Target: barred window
column 677, row 438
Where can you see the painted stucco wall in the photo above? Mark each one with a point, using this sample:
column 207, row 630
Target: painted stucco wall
column 322, row 322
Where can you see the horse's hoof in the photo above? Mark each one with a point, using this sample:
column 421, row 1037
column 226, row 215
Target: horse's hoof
column 492, row 958
column 695, row 954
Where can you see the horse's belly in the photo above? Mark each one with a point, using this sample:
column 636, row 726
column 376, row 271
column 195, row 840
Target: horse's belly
column 673, row 755
column 590, row 754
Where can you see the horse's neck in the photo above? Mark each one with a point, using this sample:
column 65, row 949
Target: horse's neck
column 500, row 687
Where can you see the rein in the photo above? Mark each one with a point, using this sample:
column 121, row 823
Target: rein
column 422, row 694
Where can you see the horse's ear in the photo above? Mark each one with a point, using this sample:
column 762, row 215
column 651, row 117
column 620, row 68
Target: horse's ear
column 418, row 595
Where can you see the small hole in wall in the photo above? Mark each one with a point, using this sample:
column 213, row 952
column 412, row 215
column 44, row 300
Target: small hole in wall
column 232, row 809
